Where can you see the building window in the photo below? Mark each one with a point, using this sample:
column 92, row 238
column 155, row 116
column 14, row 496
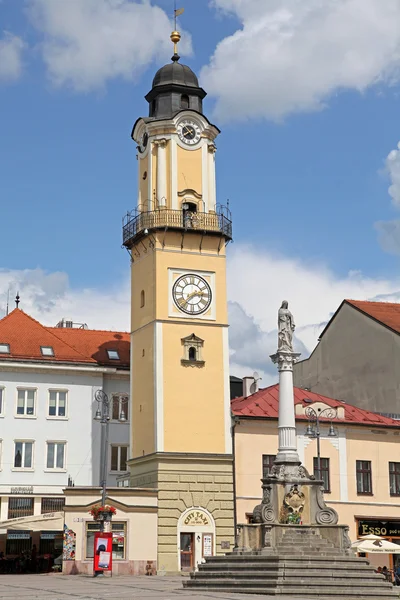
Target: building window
column 55, row 455
column 394, row 478
column 118, row 543
column 324, row 474
column 142, row 298
column 119, row 455
column 26, row 402
column 47, row 351
column 19, row 507
column 267, row 463
column 23, row 455
column 120, row 407
column 57, row 403
column 184, row 101
column 1, row 400
column 192, row 351
column 50, row 505
column 51, row 542
column 113, row 354
column 4, row 349
column 18, row 542
column 364, row 477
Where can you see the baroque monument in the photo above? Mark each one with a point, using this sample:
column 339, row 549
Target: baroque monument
column 295, row 545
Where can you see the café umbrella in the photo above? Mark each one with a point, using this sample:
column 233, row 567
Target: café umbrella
column 373, row 544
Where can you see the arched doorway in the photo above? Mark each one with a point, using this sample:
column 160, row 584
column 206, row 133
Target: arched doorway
column 196, row 537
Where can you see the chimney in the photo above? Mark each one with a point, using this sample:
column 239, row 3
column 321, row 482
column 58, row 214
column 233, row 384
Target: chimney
column 249, row 386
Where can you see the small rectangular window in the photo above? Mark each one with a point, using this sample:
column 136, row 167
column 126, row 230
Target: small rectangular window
column 113, row 354
column 324, row 474
column 4, row 348
column 119, row 456
column 267, row 463
column 364, row 477
column 394, row 478
column 47, row 351
column 19, row 507
column 1, row 400
column 55, row 455
column 118, row 541
column 23, row 455
column 52, row 505
column 57, row 403
column 26, row 402
column 120, row 408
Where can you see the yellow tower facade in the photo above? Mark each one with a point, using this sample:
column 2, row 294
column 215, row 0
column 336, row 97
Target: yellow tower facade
column 177, row 236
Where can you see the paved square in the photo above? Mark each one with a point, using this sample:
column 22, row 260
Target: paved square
column 60, row 587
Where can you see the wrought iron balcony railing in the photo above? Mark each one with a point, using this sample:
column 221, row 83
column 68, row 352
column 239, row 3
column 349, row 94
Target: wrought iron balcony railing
column 136, row 223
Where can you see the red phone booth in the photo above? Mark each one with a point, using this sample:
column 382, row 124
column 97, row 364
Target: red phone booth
column 102, row 560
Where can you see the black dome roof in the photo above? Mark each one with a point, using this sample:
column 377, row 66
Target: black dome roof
column 175, row 73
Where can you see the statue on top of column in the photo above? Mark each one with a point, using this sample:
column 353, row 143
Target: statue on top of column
column 286, row 328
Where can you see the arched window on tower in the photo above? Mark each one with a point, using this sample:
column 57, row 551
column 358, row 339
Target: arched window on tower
column 153, row 107
column 142, row 298
column 192, row 351
column 189, row 219
column 184, row 101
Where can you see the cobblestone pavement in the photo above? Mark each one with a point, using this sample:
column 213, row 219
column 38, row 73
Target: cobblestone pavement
column 60, row 587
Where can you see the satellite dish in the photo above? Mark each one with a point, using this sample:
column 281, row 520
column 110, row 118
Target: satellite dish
column 256, row 376
column 254, row 385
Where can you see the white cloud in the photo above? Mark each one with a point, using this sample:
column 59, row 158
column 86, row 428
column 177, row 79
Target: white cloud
column 11, row 49
column 258, row 281
column 88, row 42
column 290, row 56
column 389, row 231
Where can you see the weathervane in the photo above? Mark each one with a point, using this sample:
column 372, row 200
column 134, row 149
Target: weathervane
column 175, row 35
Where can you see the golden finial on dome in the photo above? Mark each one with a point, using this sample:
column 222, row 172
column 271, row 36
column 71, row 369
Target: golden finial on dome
column 175, row 38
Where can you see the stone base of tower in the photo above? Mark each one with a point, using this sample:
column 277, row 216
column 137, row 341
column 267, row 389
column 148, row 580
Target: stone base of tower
column 195, row 506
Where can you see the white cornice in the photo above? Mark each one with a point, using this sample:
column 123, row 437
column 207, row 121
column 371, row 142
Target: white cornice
column 33, row 366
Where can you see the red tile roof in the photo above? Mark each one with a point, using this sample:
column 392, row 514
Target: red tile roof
column 387, row 313
column 25, row 336
column 265, row 403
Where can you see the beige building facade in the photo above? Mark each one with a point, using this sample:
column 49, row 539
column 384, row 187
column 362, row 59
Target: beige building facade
column 176, row 237
column 356, row 357
column 360, row 464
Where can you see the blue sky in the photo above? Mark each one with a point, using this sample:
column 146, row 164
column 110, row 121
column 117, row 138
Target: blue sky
column 306, row 130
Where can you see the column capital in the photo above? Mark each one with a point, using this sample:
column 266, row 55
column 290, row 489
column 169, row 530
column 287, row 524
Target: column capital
column 285, row 360
column 162, row 142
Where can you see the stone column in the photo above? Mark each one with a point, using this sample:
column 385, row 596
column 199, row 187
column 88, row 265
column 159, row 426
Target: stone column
column 212, row 194
column 161, row 172
column 287, row 450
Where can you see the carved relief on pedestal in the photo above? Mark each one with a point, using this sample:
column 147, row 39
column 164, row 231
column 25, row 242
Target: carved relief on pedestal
column 288, row 471
column 265, row 512
column 325, row 515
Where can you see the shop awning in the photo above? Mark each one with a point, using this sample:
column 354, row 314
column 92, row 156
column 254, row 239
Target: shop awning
column 47, row 522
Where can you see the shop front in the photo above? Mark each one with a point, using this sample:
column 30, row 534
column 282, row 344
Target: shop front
column 31, row 544
column 389, row 529
column 196, row 537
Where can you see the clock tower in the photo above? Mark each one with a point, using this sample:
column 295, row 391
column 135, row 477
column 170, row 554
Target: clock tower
column 176, row 237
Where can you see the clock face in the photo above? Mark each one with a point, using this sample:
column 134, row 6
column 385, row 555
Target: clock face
column 143, row 142
column 192, row 294
column 189, row 132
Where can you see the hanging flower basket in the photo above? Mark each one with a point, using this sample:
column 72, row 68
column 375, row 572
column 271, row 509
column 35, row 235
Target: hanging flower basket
column 102, row 513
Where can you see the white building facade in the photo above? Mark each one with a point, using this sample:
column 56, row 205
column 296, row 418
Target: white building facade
column 49, row 438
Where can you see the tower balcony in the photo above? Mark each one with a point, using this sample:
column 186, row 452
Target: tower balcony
column 138, row 223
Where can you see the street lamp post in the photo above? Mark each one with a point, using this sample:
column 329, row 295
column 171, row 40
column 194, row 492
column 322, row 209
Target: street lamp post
column 313, row 429
column 103, row 415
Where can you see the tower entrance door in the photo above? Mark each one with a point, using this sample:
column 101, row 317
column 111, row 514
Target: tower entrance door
column 187, row 551
column 196, row 535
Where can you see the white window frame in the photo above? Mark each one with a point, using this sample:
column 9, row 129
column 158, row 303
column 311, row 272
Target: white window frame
column 22, row 468
column 119, row 446
column 56, row 469
column 47, row 350
column 114, row 351
column 56, row 416
column 24, row 415
column 1, row 454
column 122, row 405
column 2, row 400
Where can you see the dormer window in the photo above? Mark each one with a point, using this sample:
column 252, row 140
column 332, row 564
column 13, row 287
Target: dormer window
column 113, row 354
column 4, row 348
column 47, row 350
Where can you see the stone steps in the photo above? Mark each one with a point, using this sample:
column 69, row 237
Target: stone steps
column 294, row 573
column 318, row 594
